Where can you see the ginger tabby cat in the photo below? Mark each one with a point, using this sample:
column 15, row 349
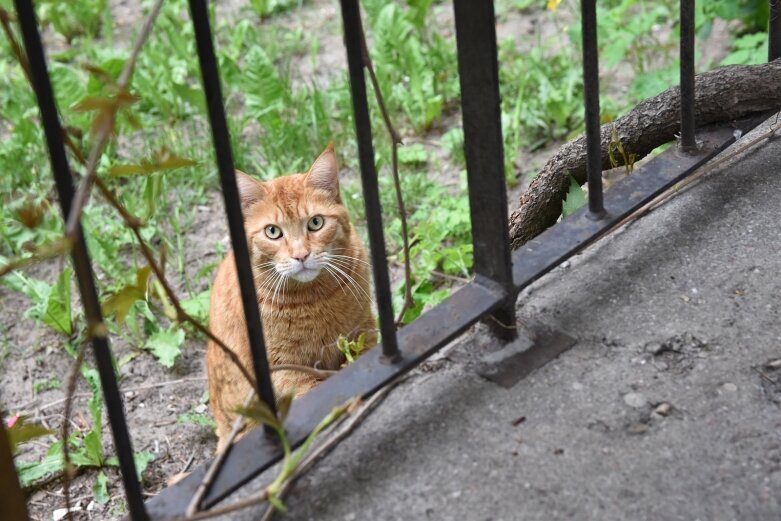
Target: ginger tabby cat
column 311, row 276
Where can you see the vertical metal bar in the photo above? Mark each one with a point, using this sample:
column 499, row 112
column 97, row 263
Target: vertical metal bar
column 774, row 31
column 12, row 500
column 591, row 100
column 483, row 147
column 688, row 139
column 230, row 193
column 353, row 34
column 96, row 329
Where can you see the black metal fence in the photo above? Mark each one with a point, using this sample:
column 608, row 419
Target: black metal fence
column 499, row 273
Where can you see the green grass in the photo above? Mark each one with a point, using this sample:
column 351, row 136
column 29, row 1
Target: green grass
column 279, row 121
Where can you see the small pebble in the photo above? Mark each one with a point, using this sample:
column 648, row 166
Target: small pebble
column 730, row 387
column 577, row 386
column 653, row 347
column 663, row 409
column 60, row 513
column 635, row 400
column 774, row 364
column 201, row 408
column 637, row 428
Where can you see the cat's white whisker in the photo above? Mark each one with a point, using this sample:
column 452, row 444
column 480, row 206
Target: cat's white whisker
column 335, row 274
column 268, row 284
column 337, row 279
column 352, row 281
column 356, row 259
column 346, row 266
column 281, row 279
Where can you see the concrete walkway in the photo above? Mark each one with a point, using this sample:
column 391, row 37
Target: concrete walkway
column 667, row 408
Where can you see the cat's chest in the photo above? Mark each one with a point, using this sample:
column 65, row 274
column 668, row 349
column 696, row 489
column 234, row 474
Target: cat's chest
column 308, row 324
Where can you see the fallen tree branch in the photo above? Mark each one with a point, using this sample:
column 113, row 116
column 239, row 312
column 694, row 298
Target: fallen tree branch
column 698, row 175
column 721, row 95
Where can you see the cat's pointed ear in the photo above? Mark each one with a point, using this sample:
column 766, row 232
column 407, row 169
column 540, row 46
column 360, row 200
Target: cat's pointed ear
column 324, row 173
column 250, row 190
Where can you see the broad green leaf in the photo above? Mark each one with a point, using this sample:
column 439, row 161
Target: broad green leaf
column 160, row 161
column 198, row 306
column 94, row 448
column 166, row 345
column 31, row 471
column 575, row 198
column 19, row 431
column 141, row 459
column 58, row 305
column 413, row 154
column 105, row 108
column 120, row 302
column 100, row 488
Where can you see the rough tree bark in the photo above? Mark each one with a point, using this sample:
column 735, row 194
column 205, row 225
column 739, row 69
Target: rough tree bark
column 721, row 95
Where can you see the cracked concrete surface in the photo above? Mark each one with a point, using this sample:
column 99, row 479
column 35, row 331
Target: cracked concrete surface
column 668, row 407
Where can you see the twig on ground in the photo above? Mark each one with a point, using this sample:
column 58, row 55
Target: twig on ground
column 395, row 142
column 338, row 433
column 238, row 424
column 253, row 499
column 65, row 428
column 765, row 377
column 188, row 462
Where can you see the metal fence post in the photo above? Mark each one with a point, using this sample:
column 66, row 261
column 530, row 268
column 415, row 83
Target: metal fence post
column 230, row 192
column 591, row 99
column 353, row 34
column 774, row 30
column 483, row 147
column 688, row 138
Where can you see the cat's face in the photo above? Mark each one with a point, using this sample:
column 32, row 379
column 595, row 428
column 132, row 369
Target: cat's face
column 296, row 225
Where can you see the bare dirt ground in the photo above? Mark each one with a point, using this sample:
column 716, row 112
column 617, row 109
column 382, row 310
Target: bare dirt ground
column 155, row 396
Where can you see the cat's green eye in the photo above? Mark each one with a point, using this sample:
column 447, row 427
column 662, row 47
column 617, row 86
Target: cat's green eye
column 273, row 232
column 315, row 223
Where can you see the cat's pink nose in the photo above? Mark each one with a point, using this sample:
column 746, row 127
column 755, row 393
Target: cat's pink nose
column 300, row 256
